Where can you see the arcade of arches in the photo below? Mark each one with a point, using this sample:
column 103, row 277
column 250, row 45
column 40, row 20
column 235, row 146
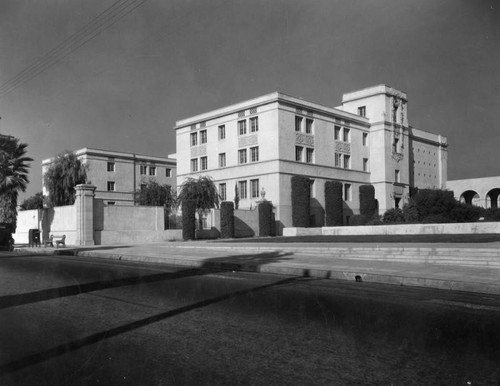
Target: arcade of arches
column 483, row 192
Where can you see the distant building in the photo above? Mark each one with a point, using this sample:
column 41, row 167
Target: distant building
column 118, row 175
column 483, row 192
column 258, row 145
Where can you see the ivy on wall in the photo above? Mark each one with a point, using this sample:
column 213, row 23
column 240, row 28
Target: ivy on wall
column 227, row 220
column 334, row 203
column 301, row 196
column 188, row 219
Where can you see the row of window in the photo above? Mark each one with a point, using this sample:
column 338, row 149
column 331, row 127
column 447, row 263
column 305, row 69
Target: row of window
column 253, row 123
column 299, row 154
column 242, row 159
column 144, row 170
column 243, row 191
column 299, row 124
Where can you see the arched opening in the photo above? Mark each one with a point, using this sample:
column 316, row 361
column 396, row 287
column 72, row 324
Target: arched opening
column 470, row 197
column 492, row 198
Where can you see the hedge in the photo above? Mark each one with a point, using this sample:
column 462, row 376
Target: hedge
column 367, row 202
column 188, row 219
column 301, row 197
column 266, row 220
column 227, row 220
column 334, row 203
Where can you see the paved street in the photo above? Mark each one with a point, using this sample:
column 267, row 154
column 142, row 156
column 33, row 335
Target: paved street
column 74, row 320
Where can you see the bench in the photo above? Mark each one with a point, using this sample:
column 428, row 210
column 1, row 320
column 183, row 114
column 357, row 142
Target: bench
column 59, row 240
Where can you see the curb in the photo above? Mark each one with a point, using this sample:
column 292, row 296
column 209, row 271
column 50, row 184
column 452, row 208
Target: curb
column 290, row 270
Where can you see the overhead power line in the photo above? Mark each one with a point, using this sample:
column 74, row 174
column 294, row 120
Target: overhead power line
column 99, row 24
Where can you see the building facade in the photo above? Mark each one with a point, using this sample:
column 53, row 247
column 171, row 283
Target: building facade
column 483, row 192
column 257, row 146
column 118, row 175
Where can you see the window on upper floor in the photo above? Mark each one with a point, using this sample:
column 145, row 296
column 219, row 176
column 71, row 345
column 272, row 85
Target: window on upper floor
column 254, row 124
column 168, row 172
column 362, row 111
column 347, row 134
column 111, row 186
column 309, row 126
column 309, row 155
column 194, row 139
column 204, row 163
column 111, row 166
column 365, row 164
column 254, row 188
column 242, row 189
column 242, row 127
column 347, row 161
column 338, row 129
column 222, row 132
column 143, row 169
column 397, row 177
column 298, row 123
column 338, row 160
column 203, row 136
column 242, row 156
column 194, row 164
column 152, row 170
column 395, row 145
column 254, row 154
column 222, row 160
column 298, row 153
column 222, row 192
column 365, row 139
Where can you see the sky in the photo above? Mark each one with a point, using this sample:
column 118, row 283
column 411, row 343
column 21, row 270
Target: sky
column 123, row 82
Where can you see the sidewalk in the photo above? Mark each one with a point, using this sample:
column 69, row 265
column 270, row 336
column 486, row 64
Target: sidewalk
column 462, row 267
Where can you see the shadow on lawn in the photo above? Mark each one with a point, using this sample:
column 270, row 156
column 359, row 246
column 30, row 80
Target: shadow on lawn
column 211, row 266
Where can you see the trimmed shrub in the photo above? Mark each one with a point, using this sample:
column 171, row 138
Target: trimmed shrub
column 188, row 219
column 393, row 216
column 367, row 202
column 266, row 219
column 435, row 219
column 227, row 220
column 410, row 213
column 301, row 201
column 358, row 219
column 465, row 213
column 434, row 202
column 334, row 203
column 491, row 214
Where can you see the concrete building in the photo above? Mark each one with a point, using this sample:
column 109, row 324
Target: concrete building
column 118, row 175
column 256, row 147
column 483, row 192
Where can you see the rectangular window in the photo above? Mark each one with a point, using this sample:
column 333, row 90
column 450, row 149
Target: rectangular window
column 203, row 136
column 194, row 164
column 347, row 134
column 365, row 139
column 204, row 163
column 254, row 124
column 168, row 172
column 242, row 156
column 338, row 160
column 365, row 164
column 347, row 161
column 222, row 160
column 111, row 166
column 194, row 139
column 312, row 190
column 309, row 155
column 254, row 154
column 152, row 171
column 242, row 127
column 298, row 153
column 222, row 132
column 242, row 189
column 254, row 188
column 143, row 170
column 222, row 192
column 111, row 186
column 298, row 123
column 362, row 111
column 347, row 192
column 396, row 176
column 395, row 145
column 309, row 126
column 337, row 133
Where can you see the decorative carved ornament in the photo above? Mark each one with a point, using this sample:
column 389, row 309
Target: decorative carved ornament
column 397, row 156
column 198, row 150
column 342, row 147
column 247, row 140
column 304, row 139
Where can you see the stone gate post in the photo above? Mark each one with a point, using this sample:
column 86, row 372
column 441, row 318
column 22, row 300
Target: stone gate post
column 84, row 214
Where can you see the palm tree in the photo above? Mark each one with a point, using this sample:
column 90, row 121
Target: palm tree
column 13, row 176
column 203, row 192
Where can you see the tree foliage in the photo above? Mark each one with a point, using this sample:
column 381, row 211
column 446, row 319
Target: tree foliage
column 33, row 202
column 367, row 201
column 334, row 203
column 301, row 201
column 203, row 192
column 62, row 176
column 13, row 176
column 154, row 194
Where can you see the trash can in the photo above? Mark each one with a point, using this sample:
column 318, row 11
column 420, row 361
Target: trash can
column 34, row 237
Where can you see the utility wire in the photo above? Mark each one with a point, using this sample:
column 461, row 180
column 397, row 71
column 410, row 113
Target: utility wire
column 99, row 24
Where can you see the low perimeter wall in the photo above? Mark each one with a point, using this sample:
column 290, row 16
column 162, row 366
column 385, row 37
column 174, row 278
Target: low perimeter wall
column 400, row 229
